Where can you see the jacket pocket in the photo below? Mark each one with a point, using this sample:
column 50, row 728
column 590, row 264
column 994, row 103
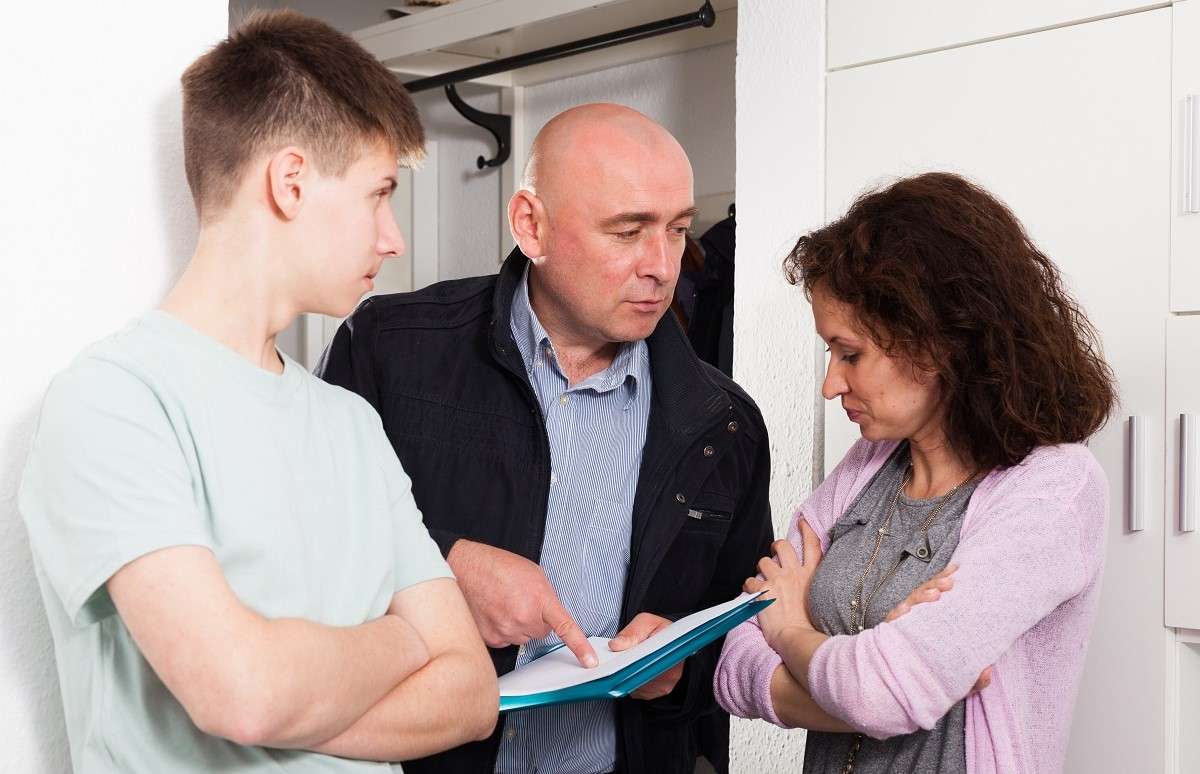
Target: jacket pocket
column 710, row 516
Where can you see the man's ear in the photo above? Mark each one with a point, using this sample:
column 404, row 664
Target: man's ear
column 288, row 174
column 527, row 222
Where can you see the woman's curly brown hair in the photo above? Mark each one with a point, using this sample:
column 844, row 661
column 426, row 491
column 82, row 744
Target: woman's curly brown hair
column 941, row 273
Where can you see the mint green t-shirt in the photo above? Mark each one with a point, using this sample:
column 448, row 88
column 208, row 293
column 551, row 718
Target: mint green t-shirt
column 159, row 436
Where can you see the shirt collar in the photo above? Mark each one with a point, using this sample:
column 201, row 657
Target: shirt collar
column 629, row 367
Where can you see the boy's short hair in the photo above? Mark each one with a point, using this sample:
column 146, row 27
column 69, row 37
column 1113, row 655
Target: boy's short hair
column 280, row 79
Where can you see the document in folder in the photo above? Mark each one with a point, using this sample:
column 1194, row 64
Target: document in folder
column 557, row 678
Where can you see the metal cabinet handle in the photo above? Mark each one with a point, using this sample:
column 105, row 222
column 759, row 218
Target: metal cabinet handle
column 1189, row 494
column 1191, row 154
column 1138, row 477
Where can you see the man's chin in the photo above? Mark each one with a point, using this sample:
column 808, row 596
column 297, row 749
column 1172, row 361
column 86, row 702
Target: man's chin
column 635, row 330
column 627, row 336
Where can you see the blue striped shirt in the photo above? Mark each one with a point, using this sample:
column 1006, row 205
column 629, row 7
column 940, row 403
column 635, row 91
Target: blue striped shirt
column 597, row 429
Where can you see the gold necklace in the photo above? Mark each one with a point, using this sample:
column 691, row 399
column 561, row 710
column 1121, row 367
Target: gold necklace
column 859, row 607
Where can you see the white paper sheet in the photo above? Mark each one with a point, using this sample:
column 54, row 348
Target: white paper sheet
column 560, row 669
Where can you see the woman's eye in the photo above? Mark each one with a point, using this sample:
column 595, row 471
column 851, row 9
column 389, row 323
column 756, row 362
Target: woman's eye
column 851, row 359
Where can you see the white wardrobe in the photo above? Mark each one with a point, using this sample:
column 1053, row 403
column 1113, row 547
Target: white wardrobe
column 1077, row 115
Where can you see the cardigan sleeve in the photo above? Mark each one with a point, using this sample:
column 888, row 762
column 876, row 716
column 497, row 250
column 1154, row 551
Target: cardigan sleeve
column 742, row 682
column 1030, row 546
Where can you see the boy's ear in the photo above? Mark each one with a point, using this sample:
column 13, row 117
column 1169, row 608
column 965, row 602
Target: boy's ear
column 288, row 173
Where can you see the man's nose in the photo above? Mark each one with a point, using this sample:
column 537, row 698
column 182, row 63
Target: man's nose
column 660, row 259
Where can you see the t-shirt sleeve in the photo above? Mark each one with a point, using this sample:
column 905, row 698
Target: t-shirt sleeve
column 106, row 482
column 418, row 558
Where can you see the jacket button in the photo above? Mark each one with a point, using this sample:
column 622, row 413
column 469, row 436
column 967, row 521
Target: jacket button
column 709, row 451
column 679, row 498
column 732, row 427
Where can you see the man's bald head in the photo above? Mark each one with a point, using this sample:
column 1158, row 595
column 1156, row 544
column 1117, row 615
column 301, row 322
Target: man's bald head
column 594, row 140
column 603, row 215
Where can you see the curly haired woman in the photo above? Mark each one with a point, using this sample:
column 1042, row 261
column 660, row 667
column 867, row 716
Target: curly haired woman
column 939, row 619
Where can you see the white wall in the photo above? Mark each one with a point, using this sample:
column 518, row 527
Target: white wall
column 95, row 222
column 780, row 171
column 691, row 94
column 469, row 199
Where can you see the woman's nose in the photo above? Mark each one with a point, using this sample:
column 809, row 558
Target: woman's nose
column 834, row 385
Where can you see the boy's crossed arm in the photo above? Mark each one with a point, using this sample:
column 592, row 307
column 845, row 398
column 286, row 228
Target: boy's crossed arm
column 408, row 683
column 451, row 700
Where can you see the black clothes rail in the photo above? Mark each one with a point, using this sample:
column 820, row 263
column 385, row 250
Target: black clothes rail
column 501, row 125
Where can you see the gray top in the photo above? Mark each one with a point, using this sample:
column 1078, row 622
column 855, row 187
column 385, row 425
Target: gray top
column 942, row 749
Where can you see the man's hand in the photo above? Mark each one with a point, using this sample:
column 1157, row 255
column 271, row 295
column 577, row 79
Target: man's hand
column 641, row 628
column 931, row 591
column 512, row 601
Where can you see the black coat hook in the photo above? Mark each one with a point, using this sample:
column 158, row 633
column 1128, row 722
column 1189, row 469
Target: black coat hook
column 498, row 124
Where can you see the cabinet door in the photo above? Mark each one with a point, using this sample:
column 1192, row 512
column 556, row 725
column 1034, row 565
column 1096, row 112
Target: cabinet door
column 1070, row 127
column 1183, row 473
column 872, row 30
column 1185, row 162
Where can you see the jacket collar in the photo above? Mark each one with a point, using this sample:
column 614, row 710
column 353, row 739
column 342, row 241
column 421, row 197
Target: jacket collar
column 686, row 394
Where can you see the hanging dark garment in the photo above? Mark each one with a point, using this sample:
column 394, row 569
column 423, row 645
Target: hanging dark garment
column 691, row 270
column 710, row 326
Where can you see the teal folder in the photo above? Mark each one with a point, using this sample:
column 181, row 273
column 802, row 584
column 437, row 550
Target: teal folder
column 641, row 671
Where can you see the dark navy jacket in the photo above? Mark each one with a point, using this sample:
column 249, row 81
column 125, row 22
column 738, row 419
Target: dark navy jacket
column 441, row 368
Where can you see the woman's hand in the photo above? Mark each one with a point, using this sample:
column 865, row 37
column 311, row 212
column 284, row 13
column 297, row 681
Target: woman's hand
column 787, row 581
column 931, row 591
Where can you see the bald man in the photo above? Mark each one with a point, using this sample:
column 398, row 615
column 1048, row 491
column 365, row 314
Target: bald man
column 583, row 472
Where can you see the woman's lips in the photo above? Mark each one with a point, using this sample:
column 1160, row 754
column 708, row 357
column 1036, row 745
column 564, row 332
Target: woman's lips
column 853, row 415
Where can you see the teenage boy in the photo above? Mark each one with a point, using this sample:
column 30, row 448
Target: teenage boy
column 235, row 572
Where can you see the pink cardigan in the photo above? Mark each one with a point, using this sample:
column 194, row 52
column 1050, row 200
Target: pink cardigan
column 1030, row 557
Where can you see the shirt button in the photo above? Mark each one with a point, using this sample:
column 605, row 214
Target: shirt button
column 563, row 399
column 553, row 477
column 709, row 451
column 510, row 733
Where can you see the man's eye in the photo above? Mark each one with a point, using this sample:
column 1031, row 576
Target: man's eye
column 628, row 234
